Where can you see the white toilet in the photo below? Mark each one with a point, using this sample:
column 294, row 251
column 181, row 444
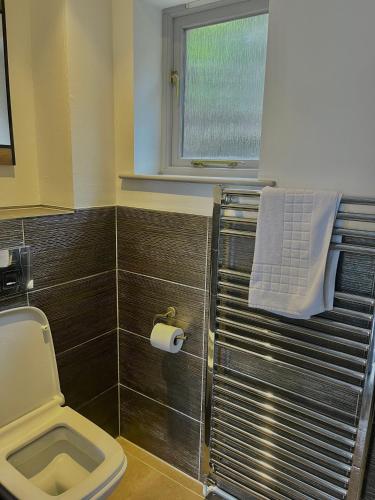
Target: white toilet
column 46, row 450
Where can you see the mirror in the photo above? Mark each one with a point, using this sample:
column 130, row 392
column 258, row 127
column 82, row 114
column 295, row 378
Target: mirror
column 7, row 156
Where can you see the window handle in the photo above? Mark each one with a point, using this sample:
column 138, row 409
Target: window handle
column 175, row 81
column 213, row 163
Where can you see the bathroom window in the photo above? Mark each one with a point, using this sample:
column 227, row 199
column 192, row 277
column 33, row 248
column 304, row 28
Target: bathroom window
column 214, row 64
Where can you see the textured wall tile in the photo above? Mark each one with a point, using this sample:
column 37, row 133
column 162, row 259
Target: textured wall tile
column 162, row 244
column 88, row 370
column 140, row 298
column 73, row 246
column 80, row 310
column 164, row 432
column 13, row 302
column 103, row 411
column 356, row 274
column 11, row 234
column 173, row 379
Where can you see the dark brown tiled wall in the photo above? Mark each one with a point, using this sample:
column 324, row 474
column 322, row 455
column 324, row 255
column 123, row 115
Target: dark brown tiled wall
column 141, row 297
column 74, row 270
column 11, row 234
column 161, row 430
column 162, row 261
column 163, row 245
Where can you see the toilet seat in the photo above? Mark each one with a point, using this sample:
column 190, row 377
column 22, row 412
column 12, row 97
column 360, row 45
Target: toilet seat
column 28, row 421
column 41, row 422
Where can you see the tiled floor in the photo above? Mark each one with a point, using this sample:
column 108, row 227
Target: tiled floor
column 149, row 478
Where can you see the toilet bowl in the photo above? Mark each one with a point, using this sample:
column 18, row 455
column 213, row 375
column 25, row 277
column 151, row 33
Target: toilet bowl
column 46, row 450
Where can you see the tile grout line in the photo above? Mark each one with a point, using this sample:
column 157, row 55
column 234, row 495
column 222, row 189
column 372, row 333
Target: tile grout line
column 203, row 353
column 23, row 233
column 146, row 339
column 24, row 244
column 84, row 278
column 95, row 397
column 118, row 328
column 162, row 279
column 86, row 342
column 160, row 403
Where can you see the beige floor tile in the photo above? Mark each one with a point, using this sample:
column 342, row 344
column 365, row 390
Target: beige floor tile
column 161, row 466
column 154, row 480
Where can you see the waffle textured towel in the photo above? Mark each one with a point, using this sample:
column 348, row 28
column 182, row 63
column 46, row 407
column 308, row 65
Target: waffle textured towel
column 294, row 270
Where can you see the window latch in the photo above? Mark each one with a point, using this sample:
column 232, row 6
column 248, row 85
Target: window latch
column 214, row 163
column 175, row 81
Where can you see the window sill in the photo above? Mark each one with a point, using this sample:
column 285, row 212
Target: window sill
column 200, row 179
column 12, row 213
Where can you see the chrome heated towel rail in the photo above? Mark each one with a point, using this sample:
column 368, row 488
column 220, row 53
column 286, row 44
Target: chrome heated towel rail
column 289, row 402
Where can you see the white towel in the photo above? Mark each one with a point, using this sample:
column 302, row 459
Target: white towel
column 293, row 269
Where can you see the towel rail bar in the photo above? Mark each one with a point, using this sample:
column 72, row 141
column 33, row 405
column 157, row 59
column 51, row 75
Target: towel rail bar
column 245, row 489
column 231, row 273
column 298, row 369
column 312, row 349
column 274, row 399
column 265, row 489
column 323, row 322
column 224, row 437
column 268, row 412
column 322, row 445
column 338, row 230
column 338, row 311
column 311, row 402
column 341, row 311
column 345, row 200
column 338, row 326
column 292, row 491
column 343, row 247
column 234, row 274
column 311, row 364
column 253, row 219
column 285, row 465
column 339, row 342
column 232, row 483
column 270, row 448
column 341, row 215
column 298, row 447
column 267, row 407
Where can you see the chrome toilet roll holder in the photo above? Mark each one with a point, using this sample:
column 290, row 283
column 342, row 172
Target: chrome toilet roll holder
column 170, row 313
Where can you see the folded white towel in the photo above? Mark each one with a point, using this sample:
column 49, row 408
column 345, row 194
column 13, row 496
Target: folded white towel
column 293, row 269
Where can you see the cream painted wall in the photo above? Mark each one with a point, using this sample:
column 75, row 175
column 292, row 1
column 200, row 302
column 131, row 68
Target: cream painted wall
column 62, row 88
column 319, row 115
column 128, row 45
column 51, row 90
column 90, row 62
column 123, row 73
column 19, row 185
column 147, row 87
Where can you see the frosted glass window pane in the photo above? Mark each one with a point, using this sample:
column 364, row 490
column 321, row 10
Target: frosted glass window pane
column 224, row 84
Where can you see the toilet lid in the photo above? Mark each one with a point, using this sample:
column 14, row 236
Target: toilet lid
column 28, row 371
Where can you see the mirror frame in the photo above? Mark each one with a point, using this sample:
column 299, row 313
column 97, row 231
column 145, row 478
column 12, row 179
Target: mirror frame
column 7, row 153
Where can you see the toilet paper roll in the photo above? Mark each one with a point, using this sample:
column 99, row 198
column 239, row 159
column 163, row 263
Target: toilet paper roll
column 5, row 259
column 164, row 337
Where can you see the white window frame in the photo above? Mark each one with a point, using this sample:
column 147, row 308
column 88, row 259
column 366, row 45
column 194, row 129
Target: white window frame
column 175, row 21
